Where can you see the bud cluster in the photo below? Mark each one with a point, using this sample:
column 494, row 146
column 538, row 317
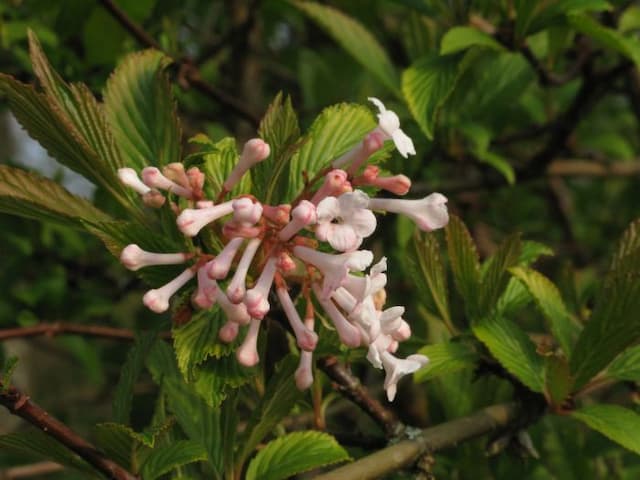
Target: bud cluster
column 270, row 247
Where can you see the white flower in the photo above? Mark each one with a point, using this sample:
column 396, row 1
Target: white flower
column 396, row 368
column 134, row 258
column 389, row 124
column 157, row 300
column 129, row 177
column 191, row 221
column 345, row 221
column 429, row 213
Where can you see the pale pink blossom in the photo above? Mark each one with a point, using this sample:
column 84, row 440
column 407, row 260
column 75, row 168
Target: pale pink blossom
column 219, row 267
column 429, row 213
column 152, row 177
column 254, row 151
column 397, row 368
column 134, row 258
column 278, row 214
column 229, row 331
column 348, row 333
column 345, row 221
column 235, row 312
column 305, row 337
column 236, row 288
column 304, row 372
column 205, row 295
column 359, row 154
column 302, row 216
column 257, row 298
column 247, row 353
column 191, row 221
column 129, row 177
column 369, row 284
column 335, row 184
column 398, row 184
column 389, row 125
column 246, row 211
column 157, row 299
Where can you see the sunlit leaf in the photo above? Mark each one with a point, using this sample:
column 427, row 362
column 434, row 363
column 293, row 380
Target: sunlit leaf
column 446, row 358
column 613, row 421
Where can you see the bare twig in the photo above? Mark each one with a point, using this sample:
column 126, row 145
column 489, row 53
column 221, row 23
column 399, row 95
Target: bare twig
column 60, row 328
column 350, row 386
column 32, row 470
column 431, row 439
column 19, row 404
column 188, row 71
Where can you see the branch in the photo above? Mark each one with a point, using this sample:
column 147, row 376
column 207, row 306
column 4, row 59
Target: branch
column 19, row 404
column 429, row 440
column 351, row 387
column 28, row 471
column 188, row 72
column 60, row 328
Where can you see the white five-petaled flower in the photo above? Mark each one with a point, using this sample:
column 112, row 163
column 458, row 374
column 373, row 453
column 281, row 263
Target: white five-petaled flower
column 396, row 368
column 345, row 221
column 389, row 124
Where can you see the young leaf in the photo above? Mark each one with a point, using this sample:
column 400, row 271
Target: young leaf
column 511, row 346
column 30, row 195
column 337, row 129
column 142, row 112
column 295, row 453
column 128, row 375
column 557, row 379
column 355, row 39
column 147, row 437
column 279, row 397
column 514, row 298
column 215, row 379
column 446, row 358
column 279, row 128
column 465, row 264
column 426, row 85
column 425, row 262
column 626, row 366
column 550, row 303
column 496, row 276
column 616, row 423
column 168, row 457
column 461, row 38
column 118, row 442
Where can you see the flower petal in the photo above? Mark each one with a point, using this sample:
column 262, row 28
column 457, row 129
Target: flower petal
column 363, row 222
column 328, row 209
column 403, row 143
column 342, row 237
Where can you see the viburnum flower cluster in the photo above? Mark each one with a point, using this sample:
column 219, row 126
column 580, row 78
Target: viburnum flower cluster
column 269, row 247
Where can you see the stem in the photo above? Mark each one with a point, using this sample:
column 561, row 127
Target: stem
column 19, row 404
column 60, row 328
column 431, row 439
column 28, row 471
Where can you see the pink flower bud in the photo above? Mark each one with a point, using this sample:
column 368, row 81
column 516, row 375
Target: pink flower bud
column 306, row 338
column 245, row 211
column 152, row 177
column 285, row 262
column 196, row 181
column 335, row 184
column 233, row 229
column 153, row 199
column 402, row 333
column 304, row 372
column 134, row 258
column 398, row 184
column 219, row 266
column 235, row 312
column 129, row 177
column 278, row 214
column 247, row 353
column 157, row 300
column 236, row 288
column 229, row 331
column 207, row 291
column 429, row 214
column 175, row 172
column 257, row 298
column 191, row 221
column 254, row 151
column 303, row 215
column 348, row 333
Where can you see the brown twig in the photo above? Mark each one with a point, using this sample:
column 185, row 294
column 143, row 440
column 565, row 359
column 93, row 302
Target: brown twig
column 32, row 470
column 431, row 439
column 19, row 404
column 350, row 386
column 188, row 71
column 60, row 328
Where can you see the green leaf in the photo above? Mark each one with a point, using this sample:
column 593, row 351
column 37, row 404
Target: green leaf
column 147, row 437
column 534, row 16
column 496, row 275
column 426, row 85
column 355, row 39
column 36, row 444
column 198, row 340
column 511, row 346
column 30, row 195
column 446, row 358
column 608, row 37
column 279, row 128
column 616, row 423
column 130, row 372
column 295, row 453
column 279, row 398
column 162, row 364
column 425, row 262
column 6, row 372
column 557, row 379
column 464, row 261
column 548, row 299
column 628, row 247
column 168, row 457
column 514, row 298
column 142, row 112
column 215, row 379
column 337, row 129
column 531, row 251
column 500, row 163
column 461, row 38
column 626, row 366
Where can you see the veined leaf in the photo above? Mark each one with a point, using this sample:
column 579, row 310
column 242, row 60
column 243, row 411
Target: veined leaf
column 616, row 423
column 426, row 85
column 215, row 379
column 446, row 358
column 608, row 37
column 279, row 128
column 355, row 39
column 426, row 262
column 295, row 453
column 531, row 251
column 161, row 363
column 29, row 195
column 279, row 397
column 117, row 442
column 337, row 129
column 626, row 366
column 147, row 437
column 515, row 297
column 496, row 275
column 550, row 303
column 465, row 264
column 168, row 457
column 461, row 38
column 142, row 112
column 557, row 379
column 511, row 346
column 500, row 163
column 628, row 246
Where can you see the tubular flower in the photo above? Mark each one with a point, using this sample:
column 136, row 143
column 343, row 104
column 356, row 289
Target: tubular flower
column 312, row 243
